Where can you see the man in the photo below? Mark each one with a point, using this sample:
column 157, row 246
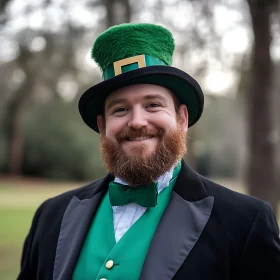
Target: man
column 152, row 216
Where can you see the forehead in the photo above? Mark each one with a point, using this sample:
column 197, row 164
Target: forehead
column 139, row 92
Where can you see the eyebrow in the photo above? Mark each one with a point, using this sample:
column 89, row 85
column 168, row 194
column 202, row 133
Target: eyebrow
column 154, row 96
column 115, row 102
column 123, row 100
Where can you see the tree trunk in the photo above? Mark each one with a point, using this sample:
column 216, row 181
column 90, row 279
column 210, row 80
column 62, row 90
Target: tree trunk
column 261, row 164
column 15, row 137
column 127, row 10
column 14, row 115
column 118, row 11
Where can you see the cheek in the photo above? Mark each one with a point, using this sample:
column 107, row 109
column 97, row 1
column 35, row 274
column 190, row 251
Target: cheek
column 165, row 122
column 113, row 128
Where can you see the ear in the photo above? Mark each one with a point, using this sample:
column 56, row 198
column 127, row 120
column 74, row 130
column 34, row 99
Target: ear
column 184, row 116
column 101, row 124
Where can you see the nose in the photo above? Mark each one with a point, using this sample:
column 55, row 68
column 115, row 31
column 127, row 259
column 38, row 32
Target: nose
column 138, row 119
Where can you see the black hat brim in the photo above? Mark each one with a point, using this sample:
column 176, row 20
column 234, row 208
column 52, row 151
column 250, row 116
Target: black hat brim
column 185, row 88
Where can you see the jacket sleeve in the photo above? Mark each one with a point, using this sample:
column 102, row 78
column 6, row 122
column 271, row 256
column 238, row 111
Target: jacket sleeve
column 28, row 260
column 261, row 254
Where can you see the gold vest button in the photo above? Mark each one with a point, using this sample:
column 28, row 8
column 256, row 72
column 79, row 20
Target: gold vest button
column 109, row 264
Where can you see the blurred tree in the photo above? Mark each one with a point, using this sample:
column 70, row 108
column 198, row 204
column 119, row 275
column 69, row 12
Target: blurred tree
column 51, row 71
column 56, row 60
column 54, row 147
column 276, row 106
column 118, row 11
column 262, row 163
column 14, row 111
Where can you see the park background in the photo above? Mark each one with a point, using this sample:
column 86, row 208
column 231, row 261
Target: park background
column 231, row 47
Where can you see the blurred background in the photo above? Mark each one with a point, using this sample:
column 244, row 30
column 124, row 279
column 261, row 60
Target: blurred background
column 231, row 47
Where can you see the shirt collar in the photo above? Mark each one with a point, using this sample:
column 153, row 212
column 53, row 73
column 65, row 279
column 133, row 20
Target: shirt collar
column 162, row 182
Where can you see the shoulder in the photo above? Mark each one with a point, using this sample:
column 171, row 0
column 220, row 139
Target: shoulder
column 59, row 203
column 234, row 207
column 226, row 196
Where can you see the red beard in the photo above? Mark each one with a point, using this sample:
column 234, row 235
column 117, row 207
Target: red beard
column 140, row 169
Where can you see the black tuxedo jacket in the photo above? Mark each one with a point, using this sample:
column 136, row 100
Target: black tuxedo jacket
column 207, row 232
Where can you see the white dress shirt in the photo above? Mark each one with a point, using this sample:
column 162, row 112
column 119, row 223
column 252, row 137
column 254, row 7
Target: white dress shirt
column 125, row 216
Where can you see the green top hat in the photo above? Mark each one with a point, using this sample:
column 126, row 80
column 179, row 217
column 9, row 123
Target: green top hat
column 138, row 54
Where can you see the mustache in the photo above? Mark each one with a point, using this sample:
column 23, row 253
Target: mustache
column 143, row 132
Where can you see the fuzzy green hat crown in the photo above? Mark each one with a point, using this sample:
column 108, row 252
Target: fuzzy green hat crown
column 129, row 40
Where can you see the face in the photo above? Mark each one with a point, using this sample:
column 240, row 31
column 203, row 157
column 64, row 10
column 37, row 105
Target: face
column 140, row 124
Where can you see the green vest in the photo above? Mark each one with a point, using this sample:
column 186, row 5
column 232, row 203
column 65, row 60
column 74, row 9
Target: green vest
column 101, row 257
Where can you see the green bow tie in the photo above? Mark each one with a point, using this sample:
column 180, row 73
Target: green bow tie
column 145, row 196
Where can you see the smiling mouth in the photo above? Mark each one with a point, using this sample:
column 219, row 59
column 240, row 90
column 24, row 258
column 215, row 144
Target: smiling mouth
column 139, row 138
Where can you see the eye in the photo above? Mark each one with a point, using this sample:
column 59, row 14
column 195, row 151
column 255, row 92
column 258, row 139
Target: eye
column 120, row 110
column 153, row 105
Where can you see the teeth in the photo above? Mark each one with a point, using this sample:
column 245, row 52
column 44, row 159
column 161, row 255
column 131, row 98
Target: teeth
column 139, row 138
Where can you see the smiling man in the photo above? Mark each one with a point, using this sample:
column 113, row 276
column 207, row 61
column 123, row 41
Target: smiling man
column 152, row 217
column 143, row 134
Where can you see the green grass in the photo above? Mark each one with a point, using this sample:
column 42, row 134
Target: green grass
column 14, row 225
column 18, row 202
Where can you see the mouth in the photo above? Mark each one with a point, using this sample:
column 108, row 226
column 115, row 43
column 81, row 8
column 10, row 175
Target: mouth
column 139, row 138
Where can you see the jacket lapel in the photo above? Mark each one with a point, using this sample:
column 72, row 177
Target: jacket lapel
column 185, row 217
column 180, row 227
column 74, row 227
